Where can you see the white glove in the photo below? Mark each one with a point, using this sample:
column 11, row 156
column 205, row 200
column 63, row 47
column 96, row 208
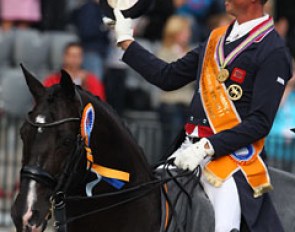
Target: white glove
column 190, row 157
column 123, row 27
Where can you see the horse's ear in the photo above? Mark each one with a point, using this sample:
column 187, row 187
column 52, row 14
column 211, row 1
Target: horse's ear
column 35, row 86
column 67, row 84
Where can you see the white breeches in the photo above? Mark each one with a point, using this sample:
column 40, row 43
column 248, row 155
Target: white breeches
column 226, row 204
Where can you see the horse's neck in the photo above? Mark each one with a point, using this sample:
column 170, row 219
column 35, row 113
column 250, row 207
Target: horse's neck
column 114, row 147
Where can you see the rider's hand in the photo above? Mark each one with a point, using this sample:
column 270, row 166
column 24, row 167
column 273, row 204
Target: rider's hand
column 123, row 27
column 190, row 157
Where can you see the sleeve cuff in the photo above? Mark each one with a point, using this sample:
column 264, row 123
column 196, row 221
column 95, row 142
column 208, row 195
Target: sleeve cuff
column 129, row 51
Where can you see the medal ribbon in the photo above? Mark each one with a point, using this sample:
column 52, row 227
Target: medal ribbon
column 258, row 32
column 112, row 176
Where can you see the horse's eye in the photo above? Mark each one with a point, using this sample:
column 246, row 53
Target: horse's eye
column 68, row 142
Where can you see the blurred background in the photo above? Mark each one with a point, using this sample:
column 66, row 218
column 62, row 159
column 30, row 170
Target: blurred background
column 47, row 35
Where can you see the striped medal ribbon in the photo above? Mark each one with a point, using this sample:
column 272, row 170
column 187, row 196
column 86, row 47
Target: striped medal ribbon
column 256, row 34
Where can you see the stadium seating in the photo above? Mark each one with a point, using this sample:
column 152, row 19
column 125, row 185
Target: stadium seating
column 16, row 98
column 6, row 42
column 40, row 52
column 32, row 48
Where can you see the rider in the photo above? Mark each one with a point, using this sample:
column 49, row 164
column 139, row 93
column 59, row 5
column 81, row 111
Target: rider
column 241, row 73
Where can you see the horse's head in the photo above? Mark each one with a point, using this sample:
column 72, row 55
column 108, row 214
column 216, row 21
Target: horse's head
column 50, row 138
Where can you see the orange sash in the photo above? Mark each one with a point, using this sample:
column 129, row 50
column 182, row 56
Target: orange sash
column 223, row 115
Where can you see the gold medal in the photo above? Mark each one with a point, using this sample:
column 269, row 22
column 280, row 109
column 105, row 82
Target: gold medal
column 223, row 75
column 235, row 92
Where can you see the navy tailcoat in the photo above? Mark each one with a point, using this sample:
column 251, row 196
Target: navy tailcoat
column 266, row 68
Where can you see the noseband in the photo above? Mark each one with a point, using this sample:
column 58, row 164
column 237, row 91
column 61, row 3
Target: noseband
column 39, row 175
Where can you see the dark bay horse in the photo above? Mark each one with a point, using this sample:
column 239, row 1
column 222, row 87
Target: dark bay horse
column 50, row 136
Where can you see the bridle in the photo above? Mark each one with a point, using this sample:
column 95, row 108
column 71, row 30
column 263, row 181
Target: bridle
column 40, row 175
column 51, row 124
column 60, row 185
column 37, row 173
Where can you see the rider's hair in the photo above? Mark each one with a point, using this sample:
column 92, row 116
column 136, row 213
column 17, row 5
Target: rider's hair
column 263, row 1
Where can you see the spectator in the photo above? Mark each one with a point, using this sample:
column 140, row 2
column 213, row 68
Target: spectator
column 115, row 78
column 72, row 61
column 93, row 35
column 282, row 27
column 174, row 104
column 19, row 13
column 219, row 20
column 200, row 11
column 281, row 139
column 54, row 15
column 157, row 17
column 200, row 8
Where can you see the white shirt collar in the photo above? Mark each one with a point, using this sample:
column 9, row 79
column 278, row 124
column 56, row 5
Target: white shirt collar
column 240, row 30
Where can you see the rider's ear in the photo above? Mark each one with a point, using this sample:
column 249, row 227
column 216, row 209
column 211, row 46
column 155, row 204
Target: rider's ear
column 35, row 86
column 67, row 84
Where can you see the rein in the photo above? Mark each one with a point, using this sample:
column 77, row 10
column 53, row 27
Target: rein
column 147, row 187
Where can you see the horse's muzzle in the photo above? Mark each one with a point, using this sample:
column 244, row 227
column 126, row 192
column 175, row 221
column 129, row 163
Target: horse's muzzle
column 29, row 228
column 34, row 228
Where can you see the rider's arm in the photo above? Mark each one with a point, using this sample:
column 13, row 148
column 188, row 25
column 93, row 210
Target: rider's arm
column 269, row 86
column 167, row 76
